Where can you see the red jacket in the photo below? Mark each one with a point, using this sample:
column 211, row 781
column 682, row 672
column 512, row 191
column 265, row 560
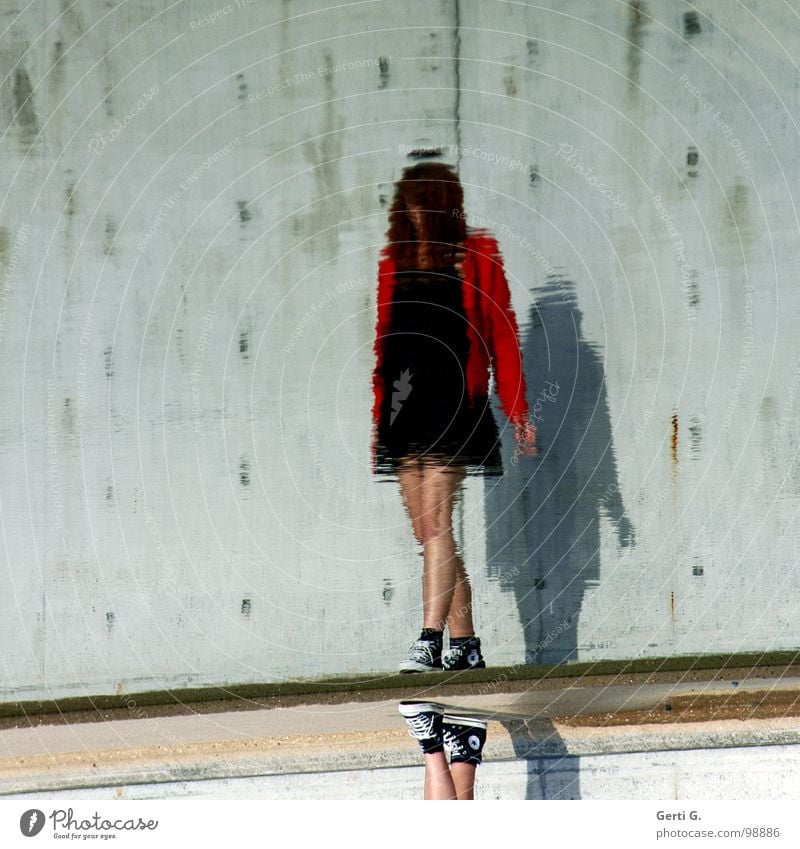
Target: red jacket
column 491, row 328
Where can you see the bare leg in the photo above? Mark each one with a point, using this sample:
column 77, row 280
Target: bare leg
column 410, row 475
column 438, row 781
column 463, row 776
column 419, row 488
column 459, row 619
column 440, row 487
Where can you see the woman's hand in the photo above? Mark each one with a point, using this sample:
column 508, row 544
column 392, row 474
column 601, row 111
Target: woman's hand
column 525, row 436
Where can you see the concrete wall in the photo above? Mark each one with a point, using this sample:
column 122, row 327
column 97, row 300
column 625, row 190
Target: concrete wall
column 193, row 201
column 750, row 772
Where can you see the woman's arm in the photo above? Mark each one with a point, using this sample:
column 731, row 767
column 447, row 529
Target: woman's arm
column 507, row 356
column 504, row 341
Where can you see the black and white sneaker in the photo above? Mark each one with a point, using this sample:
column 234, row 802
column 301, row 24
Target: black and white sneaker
column 463, row 738
column 424, row 720
column 464, row 655
column 423, row 656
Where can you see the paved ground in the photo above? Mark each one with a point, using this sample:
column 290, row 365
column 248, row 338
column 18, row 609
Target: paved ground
column 554, row 719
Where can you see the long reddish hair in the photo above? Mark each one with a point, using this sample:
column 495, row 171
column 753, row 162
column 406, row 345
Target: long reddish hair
column 435, row 188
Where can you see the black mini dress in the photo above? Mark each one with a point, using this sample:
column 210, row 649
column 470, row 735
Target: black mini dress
column 426, row 411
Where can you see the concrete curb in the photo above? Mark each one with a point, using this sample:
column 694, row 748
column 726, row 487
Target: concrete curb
column 344, row 752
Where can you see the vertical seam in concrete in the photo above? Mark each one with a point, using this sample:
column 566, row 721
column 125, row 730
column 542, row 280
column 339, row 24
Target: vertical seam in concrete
column 457, row 51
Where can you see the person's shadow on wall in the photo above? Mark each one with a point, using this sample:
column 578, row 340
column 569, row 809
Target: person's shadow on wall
column 542, row 517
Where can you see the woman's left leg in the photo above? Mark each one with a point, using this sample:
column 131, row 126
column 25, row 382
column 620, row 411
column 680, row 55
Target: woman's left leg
column 442, row 563
column 463, row 777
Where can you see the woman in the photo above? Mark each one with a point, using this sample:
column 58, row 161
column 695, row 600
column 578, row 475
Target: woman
column 444, row 318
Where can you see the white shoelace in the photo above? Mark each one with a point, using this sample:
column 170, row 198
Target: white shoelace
column 421, row 653
column 453, row 744
column 421, row 726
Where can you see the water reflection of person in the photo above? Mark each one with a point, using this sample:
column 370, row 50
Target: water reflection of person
column 444, row 319
column 440, row 732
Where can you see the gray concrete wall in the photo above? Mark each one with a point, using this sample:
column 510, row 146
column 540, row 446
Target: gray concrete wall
column 192, row 203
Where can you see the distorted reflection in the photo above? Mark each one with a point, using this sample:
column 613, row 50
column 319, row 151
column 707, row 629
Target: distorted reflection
column 444, row 320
